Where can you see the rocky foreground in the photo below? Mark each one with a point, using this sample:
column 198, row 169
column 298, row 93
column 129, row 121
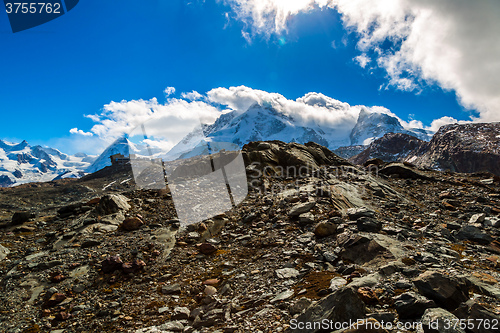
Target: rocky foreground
column 387, row 242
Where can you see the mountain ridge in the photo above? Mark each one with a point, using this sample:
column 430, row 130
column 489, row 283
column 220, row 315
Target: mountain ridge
column 466, row 148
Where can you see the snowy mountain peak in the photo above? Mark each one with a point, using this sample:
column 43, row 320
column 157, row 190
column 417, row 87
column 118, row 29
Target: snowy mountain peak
column 265, row 122
column 371, row 126
column 119, row 146
column 21, row 163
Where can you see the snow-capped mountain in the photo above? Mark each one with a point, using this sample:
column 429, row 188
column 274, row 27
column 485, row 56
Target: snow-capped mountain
column 371, row 126
column 21, row 163
column 120, row 146
column 263, row 122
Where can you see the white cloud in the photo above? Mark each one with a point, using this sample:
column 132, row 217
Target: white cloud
column 362, row 60
column 192, row 96
column 309, row 110
column 453, row 43
column 169, row 91
column 269, row 16
column 80, row 132
column 168, row 123
column 437, row 123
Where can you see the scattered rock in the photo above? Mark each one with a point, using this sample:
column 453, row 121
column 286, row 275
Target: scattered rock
column 22, row 217
column 367, row 224
column 362, row 250
column 133, row 267
column 287, row 273
column 306, row 218
column 438, row 320
column 132, row 223
column 55, row 299
column 180, row 313
column 90, row 243
column 171, row 289
column 300, row 305
column 210, row 290
column 325, row 229
column 356, row 213
column 301, row 208
column 341, row 306
column 477, row 218
column 472, row 233
column 111, row 204
column 4, row 252
column 447, row 292
column 207, row 248
column 411, row 305
column 111, row 264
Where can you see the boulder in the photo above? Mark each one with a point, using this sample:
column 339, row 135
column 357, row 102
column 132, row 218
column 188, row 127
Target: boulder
column 362, row 250
column 472, row 233
column 411, row 305
column 111, row 204
column 301, row 208
column 21, row 217
column 438, row 320
column 356, row 213
column 446, row 291
column 132, row 223
column 477, row 313
column 325, row 228
column 368, row 224
column 3, row 252
column 402, row 171
column 341, row 306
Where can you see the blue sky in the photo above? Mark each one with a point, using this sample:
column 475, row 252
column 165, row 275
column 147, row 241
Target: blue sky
column 103, row 51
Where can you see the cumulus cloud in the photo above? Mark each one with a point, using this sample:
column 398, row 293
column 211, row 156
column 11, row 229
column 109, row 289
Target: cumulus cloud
column 192, row 96
column 437, row 123
column 168, row 123
column 313, row 109
column 362, row 60
column 452, row 43
column 169, row 91
column 269, row 16
column 80, row 132
column 122, row 117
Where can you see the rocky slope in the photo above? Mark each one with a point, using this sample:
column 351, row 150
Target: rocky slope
column 458, row 148
column 462, row 148
column 330, row 242
column 390, row 148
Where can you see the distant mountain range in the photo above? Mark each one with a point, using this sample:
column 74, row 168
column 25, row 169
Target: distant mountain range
column 21, row 163
column 263, row 122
